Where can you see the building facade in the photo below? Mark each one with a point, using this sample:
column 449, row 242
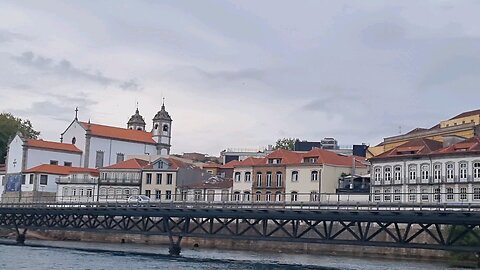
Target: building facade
column 426, row 171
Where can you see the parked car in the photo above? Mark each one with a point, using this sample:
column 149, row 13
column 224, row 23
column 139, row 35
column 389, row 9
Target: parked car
column 138, row 199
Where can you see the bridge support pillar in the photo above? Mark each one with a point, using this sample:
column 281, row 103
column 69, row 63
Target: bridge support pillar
column 175, row 248
column 21, row 236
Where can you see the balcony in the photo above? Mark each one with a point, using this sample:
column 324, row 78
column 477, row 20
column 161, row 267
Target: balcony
column 76, row 180
column 117, row 181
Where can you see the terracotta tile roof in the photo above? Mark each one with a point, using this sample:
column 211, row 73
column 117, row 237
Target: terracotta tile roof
column 133, row 163
column 212, row 183
column 419, row 146
column 119, row 133
column 230, row 165
column 211, row 165
column 470, row 145
column 251, row 161
column 287, row 157
column 175, row 164
column 416, row 130
column 331, row 158
column 61, row 170
column 466, row 114
column 53, row 145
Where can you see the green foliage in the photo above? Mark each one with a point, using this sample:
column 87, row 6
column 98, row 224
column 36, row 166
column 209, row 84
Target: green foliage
column 9, row 126
column 285, row 143
column 468, row 239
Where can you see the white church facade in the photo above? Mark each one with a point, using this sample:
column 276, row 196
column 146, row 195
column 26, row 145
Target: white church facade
column 88, row 145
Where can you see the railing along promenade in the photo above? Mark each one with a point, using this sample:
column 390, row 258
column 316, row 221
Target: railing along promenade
column 440, row 226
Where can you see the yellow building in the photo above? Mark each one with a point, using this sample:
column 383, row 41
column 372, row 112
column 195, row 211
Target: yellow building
column 465, row 125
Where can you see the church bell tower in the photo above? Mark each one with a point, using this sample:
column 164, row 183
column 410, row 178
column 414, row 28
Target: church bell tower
column 162, row 131
column 136, row 122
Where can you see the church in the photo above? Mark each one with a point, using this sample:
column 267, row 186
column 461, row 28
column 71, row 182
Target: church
column 85, row 145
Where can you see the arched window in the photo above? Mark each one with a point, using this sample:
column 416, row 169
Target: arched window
column 236, row 196
column 237, row 176
column 268, row 196
column 279, row 179
column 259, row 179
column 450, row 172
column 463, row 171
column 294, row 196
column 397, row 174
column 246, row 196
column 294, row 176
column 258, row 196
column 412, row 173
column 476, row 170
column 314, row 176
column 387, row 173
column 278, row 196
column 269, row 179
column 437, row 172
column 425, row 173
column 378, row 174
column 248, row 177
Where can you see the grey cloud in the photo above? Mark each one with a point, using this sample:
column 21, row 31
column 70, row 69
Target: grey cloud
column 7, row 36
column 225, row 75
column 65, row 68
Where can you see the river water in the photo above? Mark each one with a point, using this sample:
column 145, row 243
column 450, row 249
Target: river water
column 53, row 255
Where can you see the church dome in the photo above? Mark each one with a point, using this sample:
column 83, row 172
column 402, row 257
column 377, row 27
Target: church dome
column 162, row 115
column 136, row 119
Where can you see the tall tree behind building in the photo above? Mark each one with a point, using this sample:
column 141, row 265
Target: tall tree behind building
column 9, row 126
column 285, row 143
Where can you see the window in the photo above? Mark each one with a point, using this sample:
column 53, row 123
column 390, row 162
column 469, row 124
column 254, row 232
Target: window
column 476, row 193
column 294, row 196
column 225, row 195
column 149, row 178
column 159, row 178
column 425, row 195
column 463, row 194
column 169, row 178
column 184, row 195
column 53, row 162
column 237, row 177
column 258, row 196
column 278, row 196
column 463, row 169
column 74, row 192
column 259, row 179
column 376, row 197
column 378, row 174
column 89, row 192
column 396, row 196
column 246, row 196
column 387, row 174
column 314, row 176
column 476, row 170
column 74, row 140
column 436, row 195
column 67, row 164
column 165, row 128
column 279, row 179
column 248, row 177
column 450, row 195
column 450, row 172
column 424, row 172
column 236, row 196
column 268, row 196
column 31, row 179
column 99, row 159
column 412, row 173
column 118, row 193
column 314, row 196
column 148, row 192
column 158, row 194
column 168, row 195
column 294, row 176
column 43, row 179
column 126, row 193
column 269, row 179
column 386, row 195
column 210, row 195
column 412, row 195
column 437, row 173
column 397, row 174
column 120, row 157
column 197, row 195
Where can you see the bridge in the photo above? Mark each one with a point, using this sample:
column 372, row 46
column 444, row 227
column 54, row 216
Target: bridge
column 440, row 227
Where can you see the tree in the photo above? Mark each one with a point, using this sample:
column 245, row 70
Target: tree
column 285, row 143
column 9, row 126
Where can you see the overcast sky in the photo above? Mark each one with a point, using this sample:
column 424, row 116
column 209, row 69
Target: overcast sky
column 242, row 73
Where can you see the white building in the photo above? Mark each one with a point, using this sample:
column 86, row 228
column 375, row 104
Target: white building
column 242, row 179
column 215, row 189
column 79, row 185
column 425, row 171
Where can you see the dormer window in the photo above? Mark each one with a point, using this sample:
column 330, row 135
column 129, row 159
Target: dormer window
column 310, row 160
column 275, row 161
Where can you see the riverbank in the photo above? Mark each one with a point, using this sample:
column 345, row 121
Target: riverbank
column 245, row 245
